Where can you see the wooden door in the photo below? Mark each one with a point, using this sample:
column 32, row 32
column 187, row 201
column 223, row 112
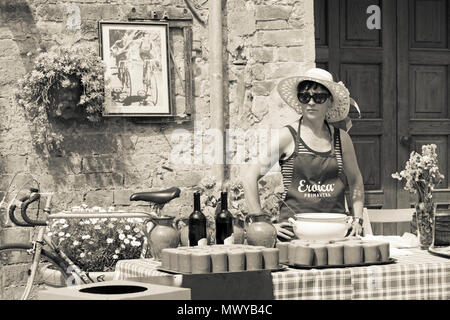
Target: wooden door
column 365, row 60
column 423, row 77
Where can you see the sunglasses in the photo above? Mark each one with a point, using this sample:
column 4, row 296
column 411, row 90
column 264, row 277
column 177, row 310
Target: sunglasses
column 319, row 98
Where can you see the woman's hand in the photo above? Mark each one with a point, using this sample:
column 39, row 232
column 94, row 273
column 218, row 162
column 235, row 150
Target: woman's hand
column 282, row 232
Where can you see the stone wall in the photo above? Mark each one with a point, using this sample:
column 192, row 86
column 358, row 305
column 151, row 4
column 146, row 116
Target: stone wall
column 103, row 165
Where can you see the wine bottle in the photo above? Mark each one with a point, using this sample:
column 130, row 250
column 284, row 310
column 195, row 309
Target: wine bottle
column 224, row 221
column 197, row 224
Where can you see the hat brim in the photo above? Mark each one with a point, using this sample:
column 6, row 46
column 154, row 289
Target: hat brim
column 287, row 89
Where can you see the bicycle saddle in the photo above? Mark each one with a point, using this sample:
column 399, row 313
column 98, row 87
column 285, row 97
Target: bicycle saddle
column 158, row 197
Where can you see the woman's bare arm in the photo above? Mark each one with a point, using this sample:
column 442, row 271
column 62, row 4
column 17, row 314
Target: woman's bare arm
column 256, row 170
column 353, row 174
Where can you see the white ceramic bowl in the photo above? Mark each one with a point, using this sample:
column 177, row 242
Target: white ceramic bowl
column 320, row 226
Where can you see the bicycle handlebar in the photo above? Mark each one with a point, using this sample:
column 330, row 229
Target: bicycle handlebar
column 12, row 208
column 23, row 210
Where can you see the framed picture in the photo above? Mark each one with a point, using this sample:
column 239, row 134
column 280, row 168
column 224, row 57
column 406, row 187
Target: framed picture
column 137, row 68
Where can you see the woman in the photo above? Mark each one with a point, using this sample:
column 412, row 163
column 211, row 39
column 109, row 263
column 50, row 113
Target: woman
column 316, row 159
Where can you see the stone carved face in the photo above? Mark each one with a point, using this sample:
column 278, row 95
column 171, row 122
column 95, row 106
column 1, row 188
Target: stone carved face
column 67, row 98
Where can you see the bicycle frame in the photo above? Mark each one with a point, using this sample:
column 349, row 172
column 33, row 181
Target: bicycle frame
column 42, row 238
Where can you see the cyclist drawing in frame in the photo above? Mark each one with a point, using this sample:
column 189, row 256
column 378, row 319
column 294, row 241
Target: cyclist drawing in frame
column 152, row 66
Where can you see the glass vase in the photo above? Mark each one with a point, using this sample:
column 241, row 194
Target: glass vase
column 425, row 212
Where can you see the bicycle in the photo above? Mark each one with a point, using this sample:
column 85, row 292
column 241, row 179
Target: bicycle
column 32, row 261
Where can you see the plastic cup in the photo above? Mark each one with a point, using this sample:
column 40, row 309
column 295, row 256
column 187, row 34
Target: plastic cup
column 320, row 254
column 254, row 259
column 353, row 253
column 184, row 261
column 271, row 258
column 304, row 255
column 283, row 248
column 200, row 262
column 291, row 252
column 384, row 250
column 335, row 253
column 236, row 260
column 219, row 261
column 371, row 252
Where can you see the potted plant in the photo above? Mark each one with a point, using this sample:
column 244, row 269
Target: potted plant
column 95, row 245
column 66, row 82
column 422, row 175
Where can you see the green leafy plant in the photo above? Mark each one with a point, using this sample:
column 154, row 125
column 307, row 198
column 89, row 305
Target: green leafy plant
column 67, row 79
column 97, row 244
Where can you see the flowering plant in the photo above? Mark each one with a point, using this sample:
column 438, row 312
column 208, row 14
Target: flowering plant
column 67, row 79
column 421, row 173
column 97, row 244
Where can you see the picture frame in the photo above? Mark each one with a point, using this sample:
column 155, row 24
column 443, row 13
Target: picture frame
column 137, row 75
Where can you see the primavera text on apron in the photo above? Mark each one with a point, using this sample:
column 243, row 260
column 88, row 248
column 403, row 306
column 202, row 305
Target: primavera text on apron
column 313, row 181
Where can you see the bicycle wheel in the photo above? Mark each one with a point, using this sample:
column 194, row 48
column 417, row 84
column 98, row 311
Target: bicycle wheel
column 15, row 264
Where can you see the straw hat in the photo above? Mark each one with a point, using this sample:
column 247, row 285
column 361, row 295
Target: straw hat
column 287, row 89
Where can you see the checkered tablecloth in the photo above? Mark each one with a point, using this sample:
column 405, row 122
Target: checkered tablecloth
column 416, row 276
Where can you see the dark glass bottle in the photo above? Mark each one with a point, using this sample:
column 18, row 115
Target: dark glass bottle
column 197, row 223
column 224, row 220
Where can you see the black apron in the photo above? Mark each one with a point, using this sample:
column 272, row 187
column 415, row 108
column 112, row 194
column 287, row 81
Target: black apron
column 317, row 180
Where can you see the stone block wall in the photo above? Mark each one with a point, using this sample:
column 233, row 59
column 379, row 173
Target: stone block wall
column 264, row 41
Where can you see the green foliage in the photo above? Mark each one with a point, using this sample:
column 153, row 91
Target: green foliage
column 39, row 92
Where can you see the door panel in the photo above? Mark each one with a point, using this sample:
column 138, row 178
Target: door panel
column 365, row 82
column 369, row 160
column 354, row 31
column 428, row 91
column 428, row 21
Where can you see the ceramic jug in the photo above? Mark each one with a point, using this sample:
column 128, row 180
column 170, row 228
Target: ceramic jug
column 163, row 235
column 183, row 228
column 260, row 231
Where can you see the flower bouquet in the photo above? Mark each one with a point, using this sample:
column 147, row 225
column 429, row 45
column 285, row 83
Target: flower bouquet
column 422, row 175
